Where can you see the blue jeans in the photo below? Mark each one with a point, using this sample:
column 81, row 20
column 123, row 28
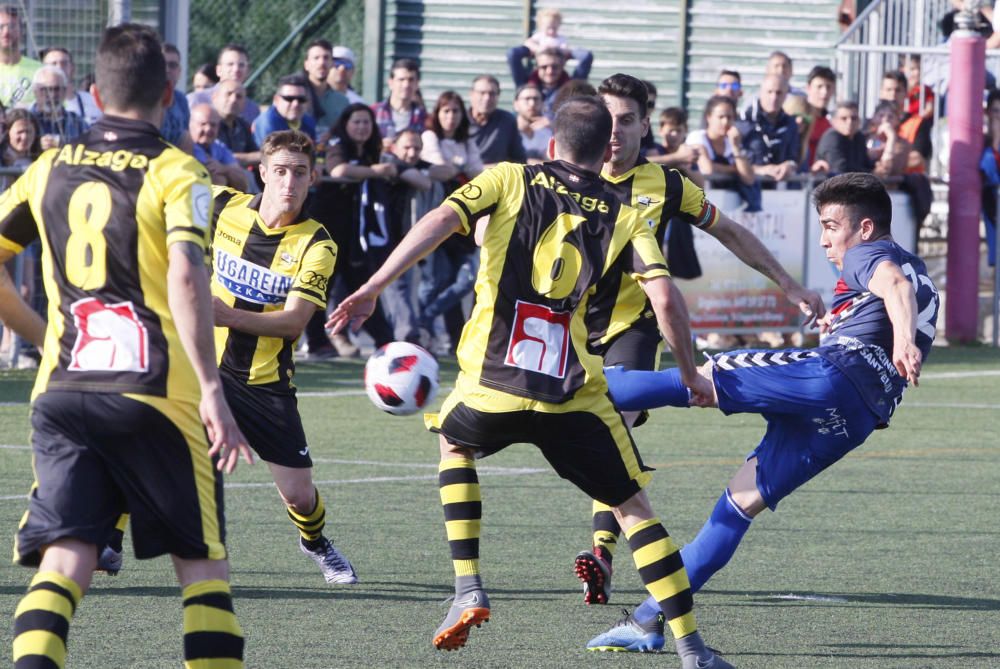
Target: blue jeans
column 446, row 278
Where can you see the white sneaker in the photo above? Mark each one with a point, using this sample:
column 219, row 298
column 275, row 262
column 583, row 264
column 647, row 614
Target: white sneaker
column 335, row 567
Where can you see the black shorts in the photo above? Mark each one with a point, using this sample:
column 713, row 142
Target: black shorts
column 270, row 421
column 97, row 455
column 639, row 347
column 591, row 449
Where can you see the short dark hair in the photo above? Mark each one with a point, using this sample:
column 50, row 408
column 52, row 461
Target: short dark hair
column 896, row 76
column 52, row 49
column 821, row 72
column 130, row 70
column 714, row 102
column 290, row 140
column 407, row 64
column 626, row 86
column 582, row 129
column 861, row 194
column 434, row 123
column 886, row 106
column 674, row 116
column 847, row 104
column 552, row 51
column 993, row 96
column 730, row 73
column 487, row 77
column 779, row 54
column 571, row 89
column 322, row 43
column 171, row 48
column 12, row 11
column 293, row 80
column 233, row 46
column 650, row 86
column 207, row 70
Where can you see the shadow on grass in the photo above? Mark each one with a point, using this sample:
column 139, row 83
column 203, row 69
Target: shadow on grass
column 855, row 598
column 885, row 652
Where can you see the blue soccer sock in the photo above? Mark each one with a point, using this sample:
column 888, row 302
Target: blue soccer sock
column 710, row 550
column 635, row 390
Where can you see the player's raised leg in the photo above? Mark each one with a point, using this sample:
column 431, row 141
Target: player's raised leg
column 308, row 514
column 460, row 497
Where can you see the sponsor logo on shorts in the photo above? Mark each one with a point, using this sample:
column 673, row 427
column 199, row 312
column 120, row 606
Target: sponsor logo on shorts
column 834, row 424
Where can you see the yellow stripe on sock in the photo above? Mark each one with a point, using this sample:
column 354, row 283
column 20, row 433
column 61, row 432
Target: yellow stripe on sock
column 45, row 600
column 668, row 586
column 466, row 567
column 214, row 663
column 61, row 581
column 597, row 507
column 199, row 588
column 641, row 525
column 40, row 642
column 683, row 625
column 456, row 463
column 200, row 618
column 462, row 529
column 653, row 552
column 460, row 492
column 122, row 522
column 309, row 518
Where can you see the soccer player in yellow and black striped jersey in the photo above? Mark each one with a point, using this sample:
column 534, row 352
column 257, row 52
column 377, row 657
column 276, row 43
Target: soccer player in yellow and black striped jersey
column 271, row 265
column 525, row 372
column 127, row 385
column 620, row 322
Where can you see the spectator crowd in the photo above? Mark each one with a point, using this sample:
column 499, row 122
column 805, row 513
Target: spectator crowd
column 388, row 161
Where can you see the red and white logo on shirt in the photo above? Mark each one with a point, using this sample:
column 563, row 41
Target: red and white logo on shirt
column 539, row 340
column 110, row 338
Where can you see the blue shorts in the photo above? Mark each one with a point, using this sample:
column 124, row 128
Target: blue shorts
column 815, row 415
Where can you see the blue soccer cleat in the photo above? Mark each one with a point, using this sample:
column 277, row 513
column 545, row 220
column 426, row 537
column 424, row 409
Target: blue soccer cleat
column 630, row 636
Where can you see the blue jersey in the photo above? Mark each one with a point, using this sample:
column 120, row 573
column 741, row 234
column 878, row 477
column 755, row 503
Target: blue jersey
column 860, row 338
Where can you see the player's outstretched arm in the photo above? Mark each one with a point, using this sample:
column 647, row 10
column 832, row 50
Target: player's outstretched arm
column 191, row 306
column 745, row 246
column 674, row 322
column 14, row 312
column 419, row 242
column 889, row 283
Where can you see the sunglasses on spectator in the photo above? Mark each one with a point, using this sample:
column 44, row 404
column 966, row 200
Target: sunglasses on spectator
column 301, row 99
column 344, row 63
column 52, row 89
column 651, row 104
column 729, row 86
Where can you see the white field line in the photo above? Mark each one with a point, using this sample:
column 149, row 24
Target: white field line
column 484, row 471
column 812, row 598
column 960, row 375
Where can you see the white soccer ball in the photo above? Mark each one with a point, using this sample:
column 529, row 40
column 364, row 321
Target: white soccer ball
column 401, row 378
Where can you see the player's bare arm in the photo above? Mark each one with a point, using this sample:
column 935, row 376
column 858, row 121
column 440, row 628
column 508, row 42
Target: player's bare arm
column 191, row 306
column 286, row 324
column 425, row 236
column 14, row 312
column 745, row 246
column 674, row 323
column 889, row 283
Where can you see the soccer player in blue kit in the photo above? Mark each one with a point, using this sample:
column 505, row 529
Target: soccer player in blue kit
column 820, row 403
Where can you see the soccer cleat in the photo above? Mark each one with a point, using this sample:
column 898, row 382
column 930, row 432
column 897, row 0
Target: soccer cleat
column 110, row 561
column 335, row 567
column 472, row 609
column 595, row 572
column 714, row 662
column 630, row 636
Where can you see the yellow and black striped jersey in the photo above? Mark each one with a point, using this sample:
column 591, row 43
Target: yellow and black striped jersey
column 659, row 194
column 554, row 231
column 106, row 207
column 256, row 268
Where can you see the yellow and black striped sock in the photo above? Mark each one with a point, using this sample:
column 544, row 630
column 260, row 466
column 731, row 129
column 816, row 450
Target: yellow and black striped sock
column 662, row 571
column 212, row 635
column 310, row 525
column 606, row 530
column 118, row 534
column 41, row 621
column 463, row 511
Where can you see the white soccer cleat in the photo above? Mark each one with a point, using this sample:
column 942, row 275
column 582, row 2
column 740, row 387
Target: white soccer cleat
column 335, row 567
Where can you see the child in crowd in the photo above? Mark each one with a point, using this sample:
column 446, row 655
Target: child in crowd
column 676, row 152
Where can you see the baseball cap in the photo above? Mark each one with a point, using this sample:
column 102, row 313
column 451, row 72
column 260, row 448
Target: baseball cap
column 343, row 52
